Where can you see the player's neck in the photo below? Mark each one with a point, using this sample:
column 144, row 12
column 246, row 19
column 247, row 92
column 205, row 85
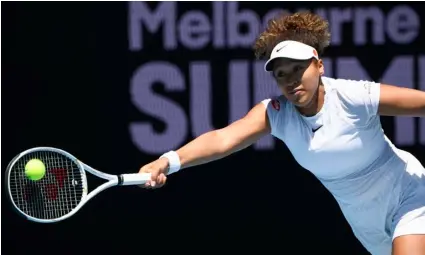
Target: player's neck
column 316, row 103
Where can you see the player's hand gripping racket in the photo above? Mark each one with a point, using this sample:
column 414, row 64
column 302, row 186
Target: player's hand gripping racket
column 63, row 189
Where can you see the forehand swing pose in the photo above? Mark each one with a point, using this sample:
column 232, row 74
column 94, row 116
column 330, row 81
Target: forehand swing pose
column 332, row 127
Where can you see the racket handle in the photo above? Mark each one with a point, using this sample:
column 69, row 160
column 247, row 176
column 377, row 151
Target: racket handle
column 133, row 179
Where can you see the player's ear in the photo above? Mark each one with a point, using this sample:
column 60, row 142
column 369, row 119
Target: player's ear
column 320, row 66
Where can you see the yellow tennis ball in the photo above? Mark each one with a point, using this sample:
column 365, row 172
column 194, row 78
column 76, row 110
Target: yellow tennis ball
column 35, row 169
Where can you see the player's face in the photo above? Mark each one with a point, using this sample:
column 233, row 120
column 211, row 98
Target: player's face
column 298, row 79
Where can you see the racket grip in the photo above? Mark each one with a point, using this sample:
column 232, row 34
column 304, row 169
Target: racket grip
column 133, row 179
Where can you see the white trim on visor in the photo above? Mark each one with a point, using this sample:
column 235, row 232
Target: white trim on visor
column 293, row 50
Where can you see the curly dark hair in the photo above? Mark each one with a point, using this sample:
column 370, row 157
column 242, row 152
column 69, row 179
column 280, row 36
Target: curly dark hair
column 304, row 27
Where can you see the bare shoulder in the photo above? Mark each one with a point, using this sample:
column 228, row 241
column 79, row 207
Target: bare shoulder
column 247, row 129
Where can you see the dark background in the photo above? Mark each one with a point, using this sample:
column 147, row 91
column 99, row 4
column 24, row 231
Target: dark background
column 65, row 83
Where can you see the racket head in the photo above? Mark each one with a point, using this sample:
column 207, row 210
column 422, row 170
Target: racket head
column 56, row 196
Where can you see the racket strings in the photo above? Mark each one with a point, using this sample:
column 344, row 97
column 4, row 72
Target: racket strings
column 53, row 196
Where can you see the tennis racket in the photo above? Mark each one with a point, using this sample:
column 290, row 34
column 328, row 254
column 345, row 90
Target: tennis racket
column 63, row 190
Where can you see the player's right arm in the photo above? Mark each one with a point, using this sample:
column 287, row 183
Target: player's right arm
column 214, row 145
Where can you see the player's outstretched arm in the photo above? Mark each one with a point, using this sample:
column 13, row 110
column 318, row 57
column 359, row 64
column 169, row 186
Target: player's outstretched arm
column 223, row 142
column 400, row 101
column 212, row 145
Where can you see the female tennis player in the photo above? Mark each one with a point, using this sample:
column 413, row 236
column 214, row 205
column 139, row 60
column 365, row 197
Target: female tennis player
column 333, row 129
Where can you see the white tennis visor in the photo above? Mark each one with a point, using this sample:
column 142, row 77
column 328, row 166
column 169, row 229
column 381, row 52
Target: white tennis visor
column 293, row 50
